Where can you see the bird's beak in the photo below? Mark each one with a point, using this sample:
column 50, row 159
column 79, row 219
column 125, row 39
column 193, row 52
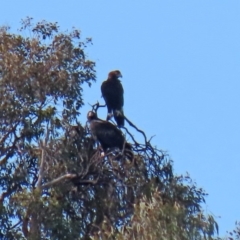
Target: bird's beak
column 120, row 75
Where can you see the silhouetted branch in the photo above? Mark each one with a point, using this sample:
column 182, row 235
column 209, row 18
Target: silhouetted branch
column 133, row 139
column 134, row 126
column 147, row 142
column 79, row 182
column 15, row 225
column 96, row 106
column 146, row 147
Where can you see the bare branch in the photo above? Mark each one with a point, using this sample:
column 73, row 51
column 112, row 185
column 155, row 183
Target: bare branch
column 96, row 106
column 15, row 225
column 134, row 126
column 66, row 176
column 94, row 181
column 43, row 158
column 133, row 139
column 25, row 223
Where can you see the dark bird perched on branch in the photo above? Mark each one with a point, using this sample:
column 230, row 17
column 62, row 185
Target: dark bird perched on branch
column 108, row 135
column 112, row 92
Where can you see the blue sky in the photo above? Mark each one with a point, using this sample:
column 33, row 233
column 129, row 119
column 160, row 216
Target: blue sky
column 180, row 62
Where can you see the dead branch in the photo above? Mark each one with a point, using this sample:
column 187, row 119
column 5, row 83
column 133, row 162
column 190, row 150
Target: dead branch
column 93, row 182
column 15, row 225
column 133, row 139
column 66, row 176
column 43, row 158
column 137, row 129
column 34, row 224
column 70, row 176
column 25, row 223
column 96, row 106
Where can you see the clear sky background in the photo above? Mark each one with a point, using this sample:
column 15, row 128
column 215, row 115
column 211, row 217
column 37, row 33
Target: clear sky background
column 180, row 62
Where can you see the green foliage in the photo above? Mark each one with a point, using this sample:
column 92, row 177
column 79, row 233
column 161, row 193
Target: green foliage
column 54, row 182
column 155, row 218
column 41, row 80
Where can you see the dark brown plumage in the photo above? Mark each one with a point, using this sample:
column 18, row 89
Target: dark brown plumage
column 108, row 135
column 112, row 92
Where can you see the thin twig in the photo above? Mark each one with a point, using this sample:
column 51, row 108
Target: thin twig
column 133, row 139
column 96, row 106
column 15, row 225
column 134, row 126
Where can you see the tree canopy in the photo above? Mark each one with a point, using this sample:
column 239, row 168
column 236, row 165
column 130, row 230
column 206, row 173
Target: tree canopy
column 54, row 181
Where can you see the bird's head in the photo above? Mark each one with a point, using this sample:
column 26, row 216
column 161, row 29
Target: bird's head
column 91, row 115
column 114, row 74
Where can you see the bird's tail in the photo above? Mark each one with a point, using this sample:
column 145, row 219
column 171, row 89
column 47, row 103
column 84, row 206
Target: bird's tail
column 119, row 117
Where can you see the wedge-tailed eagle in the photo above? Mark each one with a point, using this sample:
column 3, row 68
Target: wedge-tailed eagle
column 108, row 135
column 112, row 92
